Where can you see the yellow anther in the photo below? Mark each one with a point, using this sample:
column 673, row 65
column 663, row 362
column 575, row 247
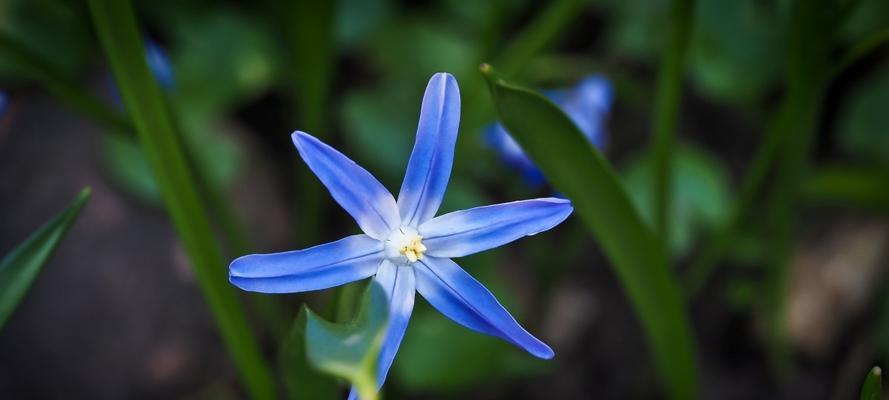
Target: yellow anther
column 414, row 250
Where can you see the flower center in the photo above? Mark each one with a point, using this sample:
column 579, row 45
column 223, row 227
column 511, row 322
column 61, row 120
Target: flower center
column 404, row 246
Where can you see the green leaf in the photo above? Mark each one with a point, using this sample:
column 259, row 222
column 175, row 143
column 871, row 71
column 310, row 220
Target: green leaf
column 580, row 172
column 350, row 351
column 121, row 39
column 19, row 269
column 872, row 388
column 301, row 381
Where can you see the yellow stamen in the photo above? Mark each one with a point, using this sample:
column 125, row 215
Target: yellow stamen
column 414, row 250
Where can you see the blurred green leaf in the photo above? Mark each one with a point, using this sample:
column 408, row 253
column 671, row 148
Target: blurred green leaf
column 20, row 267
column 872, row 388
column 380, row 127
column 221, row 60
column 866, row 16
column 358, row 20
column 301, row 380
column 576, row 169
column 863, row 126
column 350, row 351
column 128, row 168
column 700, row 193
column 118, row 32
column 735, row 51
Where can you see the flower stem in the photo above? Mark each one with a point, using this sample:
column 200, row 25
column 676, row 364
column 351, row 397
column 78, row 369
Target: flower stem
column 116, row 27
column 666, row 109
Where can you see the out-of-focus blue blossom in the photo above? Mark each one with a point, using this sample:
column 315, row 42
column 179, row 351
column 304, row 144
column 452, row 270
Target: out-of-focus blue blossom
column 404, row 246
column 4, row 102
column 159, row 64
column 587, row 104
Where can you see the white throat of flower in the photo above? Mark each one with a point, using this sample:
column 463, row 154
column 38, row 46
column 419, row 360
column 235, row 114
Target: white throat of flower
column 404, row 246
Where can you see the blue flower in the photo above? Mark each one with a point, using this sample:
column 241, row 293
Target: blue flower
column 159, row 64
column 405, row 247
column 4, row 102
column 587, row 104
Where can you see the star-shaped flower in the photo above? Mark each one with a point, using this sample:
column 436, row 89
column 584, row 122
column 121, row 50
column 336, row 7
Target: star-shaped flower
column 404, row 246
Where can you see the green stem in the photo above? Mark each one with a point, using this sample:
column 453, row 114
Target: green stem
column 307, row 29
column 116, row 27
column 866, row 46
column 666, row 108
column 533, row 38
column 807, row 73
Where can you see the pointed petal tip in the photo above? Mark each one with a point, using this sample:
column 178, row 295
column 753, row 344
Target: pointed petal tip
column 544, row 352
column 299, row 136
column 236, row 267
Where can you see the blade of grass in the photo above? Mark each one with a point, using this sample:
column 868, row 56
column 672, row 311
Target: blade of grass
column 786, row 130
column 19, row 269
column 849, row 187
column 576, row 169
column 666, row 108
column 307, row 29
column 117, row 30
column 807, row 73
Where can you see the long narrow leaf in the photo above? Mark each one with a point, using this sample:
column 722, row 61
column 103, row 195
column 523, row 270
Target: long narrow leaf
column 118, row 32
column 578, row 171
column 19, row 269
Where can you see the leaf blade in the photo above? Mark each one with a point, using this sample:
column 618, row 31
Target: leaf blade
column 19, row 269
column 350, row 351
column 578, row 170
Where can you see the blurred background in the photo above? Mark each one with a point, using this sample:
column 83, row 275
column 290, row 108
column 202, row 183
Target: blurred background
column 117, row 312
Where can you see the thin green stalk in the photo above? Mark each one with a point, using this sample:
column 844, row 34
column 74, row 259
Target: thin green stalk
column 534, row 37
column 848, row 187
column 68, row 90
column 807, row 73
column 666, row 109
column 703, row 265
column 307, row 29
column 861, row 49
column 116, row 27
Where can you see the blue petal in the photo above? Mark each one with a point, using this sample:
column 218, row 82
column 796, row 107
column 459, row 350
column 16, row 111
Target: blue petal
column 399, row 283
column 320, row 267
column 587, row 105
column 355, row 189
column 465, row 232
column 430, row 164
column 463, row 299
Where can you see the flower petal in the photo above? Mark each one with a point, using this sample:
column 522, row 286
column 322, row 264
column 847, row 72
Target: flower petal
column 400, row 285
column 460, row 297
column 430, row 164
column 465, row 232
column 355, row 189
column 320, row 267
